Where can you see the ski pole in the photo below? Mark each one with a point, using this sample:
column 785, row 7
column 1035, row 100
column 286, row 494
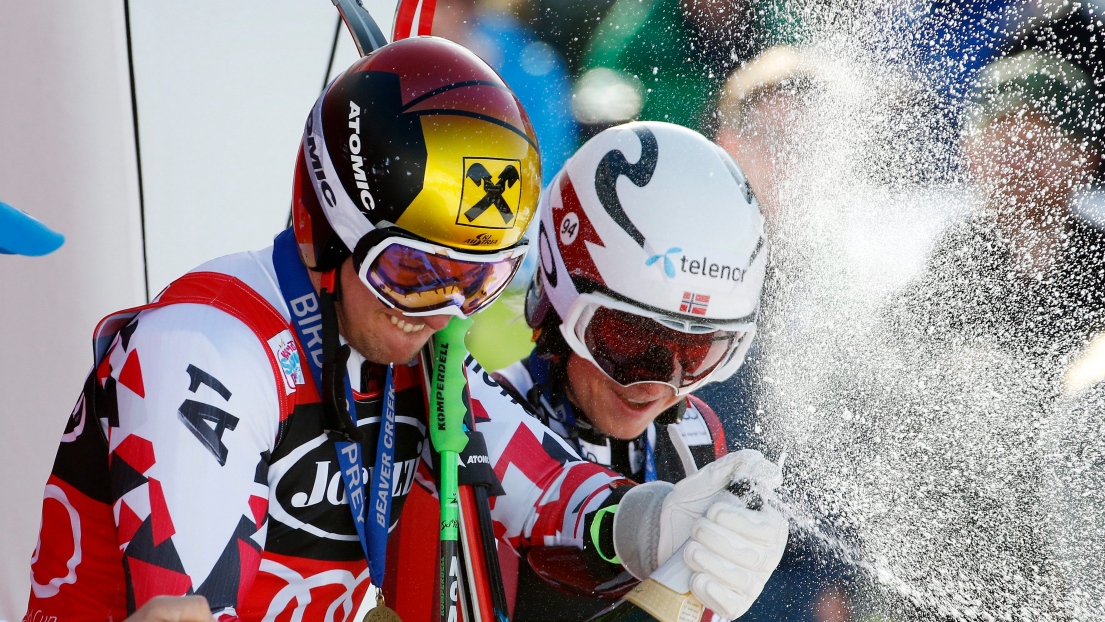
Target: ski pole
column 476, row 560
column 366, row 34
column 448, row 438
column 491, row 554
column 487, row 577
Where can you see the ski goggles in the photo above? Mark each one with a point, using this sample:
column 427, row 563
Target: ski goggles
column 631, row 345
column 419, row 277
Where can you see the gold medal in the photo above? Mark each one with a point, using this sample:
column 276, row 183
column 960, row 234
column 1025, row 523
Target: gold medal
column 381, row 612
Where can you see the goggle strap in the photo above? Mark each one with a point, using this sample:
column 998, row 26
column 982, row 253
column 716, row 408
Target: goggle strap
column 367, row 243
column 377, row 237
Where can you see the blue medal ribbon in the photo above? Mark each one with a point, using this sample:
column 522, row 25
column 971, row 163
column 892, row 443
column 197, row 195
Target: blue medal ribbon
column 382, row 486
column 303, row 305
column 650, row 454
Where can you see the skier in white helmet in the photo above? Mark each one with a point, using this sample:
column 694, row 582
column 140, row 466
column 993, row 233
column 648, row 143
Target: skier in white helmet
column 652, row 262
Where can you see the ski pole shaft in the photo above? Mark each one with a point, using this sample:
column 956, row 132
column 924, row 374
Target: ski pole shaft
column 487, row 533
column 449, row 439
column 475, row 562
column 476, row 506
column 448, row 562
column 366, row 34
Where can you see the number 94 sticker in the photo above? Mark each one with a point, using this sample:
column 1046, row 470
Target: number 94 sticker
column 569, row 228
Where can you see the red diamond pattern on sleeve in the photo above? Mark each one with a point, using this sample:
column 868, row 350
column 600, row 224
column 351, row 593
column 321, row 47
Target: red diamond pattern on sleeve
column 131, row 374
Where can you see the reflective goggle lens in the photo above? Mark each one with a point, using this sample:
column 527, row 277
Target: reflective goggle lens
column 417, row 280
column 631, row 348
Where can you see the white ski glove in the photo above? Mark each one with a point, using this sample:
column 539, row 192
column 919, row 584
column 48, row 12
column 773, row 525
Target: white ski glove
column 732, row 550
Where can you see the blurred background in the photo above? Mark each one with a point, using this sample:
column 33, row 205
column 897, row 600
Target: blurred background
column 929, row 174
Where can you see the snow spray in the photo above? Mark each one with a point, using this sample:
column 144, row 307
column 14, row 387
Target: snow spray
column 960, row 469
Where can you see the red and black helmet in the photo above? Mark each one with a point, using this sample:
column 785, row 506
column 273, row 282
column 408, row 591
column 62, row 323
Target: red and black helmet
column 421, row 135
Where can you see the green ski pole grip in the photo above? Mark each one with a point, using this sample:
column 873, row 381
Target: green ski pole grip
column 447, row 428
column 447, row 434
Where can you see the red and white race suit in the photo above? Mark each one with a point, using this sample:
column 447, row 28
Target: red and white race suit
column 196, row 462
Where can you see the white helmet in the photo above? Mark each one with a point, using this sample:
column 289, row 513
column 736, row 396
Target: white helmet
column 653, row 219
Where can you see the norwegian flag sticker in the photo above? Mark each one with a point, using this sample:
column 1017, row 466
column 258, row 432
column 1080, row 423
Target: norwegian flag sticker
column 695, row 304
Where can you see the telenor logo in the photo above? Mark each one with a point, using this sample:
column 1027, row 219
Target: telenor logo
column 711, row 269
column 675, row 262
column 698, row 268
column 490, row 192
column 669, row 267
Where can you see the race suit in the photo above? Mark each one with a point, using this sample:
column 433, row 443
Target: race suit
column 651, row 456
column 196, row 461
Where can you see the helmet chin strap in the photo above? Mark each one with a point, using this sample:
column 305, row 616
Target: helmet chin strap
column 335, row 355
column 674, row 414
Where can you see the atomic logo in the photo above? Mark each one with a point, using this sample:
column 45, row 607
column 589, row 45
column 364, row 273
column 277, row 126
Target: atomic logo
column 669, row 267
column 491, row 190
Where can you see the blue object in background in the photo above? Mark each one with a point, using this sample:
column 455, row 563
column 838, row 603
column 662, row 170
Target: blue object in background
column 21, row 234
column 537, row 74
column 955, row 39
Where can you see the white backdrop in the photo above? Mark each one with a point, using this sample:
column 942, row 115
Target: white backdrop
column 67, row 157
column 222, row 91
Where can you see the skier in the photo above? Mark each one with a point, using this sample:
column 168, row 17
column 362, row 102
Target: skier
column 648, row 288
column 211, row 451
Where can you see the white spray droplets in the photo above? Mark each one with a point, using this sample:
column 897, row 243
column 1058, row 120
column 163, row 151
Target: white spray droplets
column 942, row 458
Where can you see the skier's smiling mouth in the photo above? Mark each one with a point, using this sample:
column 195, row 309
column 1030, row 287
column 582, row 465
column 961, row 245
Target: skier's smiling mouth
column 641, row 398
column 406, row 326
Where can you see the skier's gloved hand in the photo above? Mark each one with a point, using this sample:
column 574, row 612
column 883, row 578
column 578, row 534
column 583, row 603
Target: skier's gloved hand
column 732, row 553
column 732, row 549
